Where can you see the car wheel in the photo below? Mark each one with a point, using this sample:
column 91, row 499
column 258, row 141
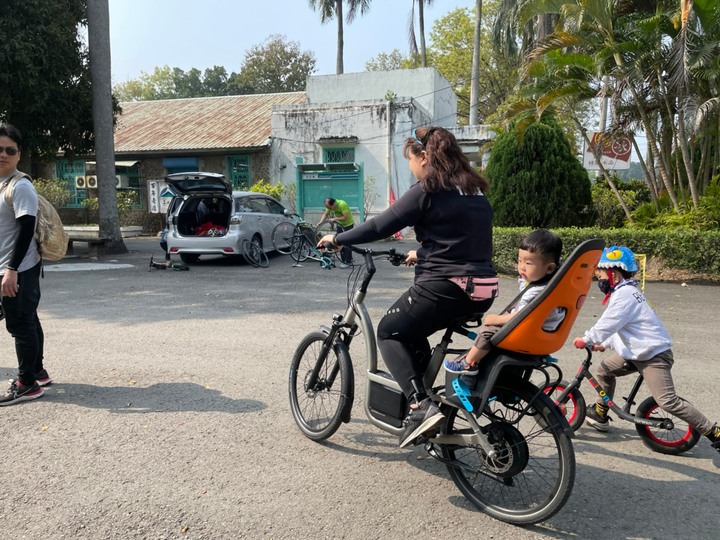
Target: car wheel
column 189, row 258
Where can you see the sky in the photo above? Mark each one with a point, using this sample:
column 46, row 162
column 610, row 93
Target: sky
column 145, row 34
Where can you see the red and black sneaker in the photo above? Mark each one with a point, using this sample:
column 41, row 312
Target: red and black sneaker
column 42, row 378
column 19, row 392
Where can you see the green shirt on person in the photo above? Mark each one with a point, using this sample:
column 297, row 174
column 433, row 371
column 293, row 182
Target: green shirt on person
column 341, row 208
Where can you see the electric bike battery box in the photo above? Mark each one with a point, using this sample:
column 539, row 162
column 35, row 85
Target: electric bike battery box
column 387, row 404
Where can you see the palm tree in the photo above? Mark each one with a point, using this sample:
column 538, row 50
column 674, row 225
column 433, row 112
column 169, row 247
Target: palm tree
column 99, row 52
column 414, row 51
column 333, row 9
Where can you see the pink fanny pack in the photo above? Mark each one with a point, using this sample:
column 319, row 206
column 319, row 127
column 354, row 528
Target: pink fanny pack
column 478, row 288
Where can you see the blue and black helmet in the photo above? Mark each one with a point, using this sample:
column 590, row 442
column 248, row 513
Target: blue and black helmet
column 618, row 257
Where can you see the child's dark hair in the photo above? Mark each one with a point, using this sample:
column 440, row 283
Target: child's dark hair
column 545, row 243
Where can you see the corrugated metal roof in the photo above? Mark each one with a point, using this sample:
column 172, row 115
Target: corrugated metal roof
column 198, row 123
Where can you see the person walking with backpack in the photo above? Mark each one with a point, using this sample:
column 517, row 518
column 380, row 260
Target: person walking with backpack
column 20, row 266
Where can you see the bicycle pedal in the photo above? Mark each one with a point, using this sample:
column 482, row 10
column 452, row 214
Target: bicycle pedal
column 463, row 393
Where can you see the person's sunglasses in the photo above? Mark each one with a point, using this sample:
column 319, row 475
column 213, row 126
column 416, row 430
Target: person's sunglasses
column 9, row 150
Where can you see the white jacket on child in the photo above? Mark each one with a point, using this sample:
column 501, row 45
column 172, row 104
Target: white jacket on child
column 630, row 326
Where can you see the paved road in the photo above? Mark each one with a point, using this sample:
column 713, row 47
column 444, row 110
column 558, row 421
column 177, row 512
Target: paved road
column 169, row 419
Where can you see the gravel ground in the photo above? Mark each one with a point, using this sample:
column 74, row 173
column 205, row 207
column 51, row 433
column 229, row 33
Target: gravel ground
column 169, row 419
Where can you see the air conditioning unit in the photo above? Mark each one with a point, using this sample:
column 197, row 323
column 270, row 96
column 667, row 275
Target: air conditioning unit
column 91, row 182
column 80, row 182
column 122, row 181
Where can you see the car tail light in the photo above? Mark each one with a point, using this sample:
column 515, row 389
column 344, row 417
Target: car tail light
column 173, row 250
column 228, row 250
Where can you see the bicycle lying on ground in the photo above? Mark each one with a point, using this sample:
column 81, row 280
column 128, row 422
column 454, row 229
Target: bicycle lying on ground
column 506, row 445
column 300, row 242
column 659, row 430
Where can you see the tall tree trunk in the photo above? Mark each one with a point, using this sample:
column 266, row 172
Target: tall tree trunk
column 339, row 68
column 99, row 49
column 421, row 20
column 474, row 79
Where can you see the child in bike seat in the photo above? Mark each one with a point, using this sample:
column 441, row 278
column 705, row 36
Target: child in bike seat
column 632, row 329
column 538, row 259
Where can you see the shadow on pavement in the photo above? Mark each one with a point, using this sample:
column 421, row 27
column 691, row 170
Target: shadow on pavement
column 161, row 397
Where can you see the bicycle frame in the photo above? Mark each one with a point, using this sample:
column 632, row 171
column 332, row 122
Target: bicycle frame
column 624, row 412
column 356, row 318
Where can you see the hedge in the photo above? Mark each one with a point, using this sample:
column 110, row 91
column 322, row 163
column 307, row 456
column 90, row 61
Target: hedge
column 682, row 249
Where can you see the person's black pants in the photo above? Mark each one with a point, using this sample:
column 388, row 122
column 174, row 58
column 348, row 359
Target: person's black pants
column 420, row 312
column 346, row 255
column 21, row 320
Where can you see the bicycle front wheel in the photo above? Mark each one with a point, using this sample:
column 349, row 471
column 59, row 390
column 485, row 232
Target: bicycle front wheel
column 318, row 409
column 300, row 249
column 282, row 237
column 254, row 254
column 665, row 441
column 574, row 407
column 532, row 474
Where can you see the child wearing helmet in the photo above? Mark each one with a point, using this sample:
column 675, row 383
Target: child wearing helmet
column 632, row 329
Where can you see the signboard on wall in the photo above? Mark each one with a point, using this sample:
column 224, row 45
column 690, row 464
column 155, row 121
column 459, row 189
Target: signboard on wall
column 614, row 152
column 159, row 196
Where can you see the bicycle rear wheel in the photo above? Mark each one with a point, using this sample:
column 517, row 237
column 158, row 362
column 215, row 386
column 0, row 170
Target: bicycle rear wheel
column 532, row 475
column 318, row 410
column 665, row 441
column 282, row 237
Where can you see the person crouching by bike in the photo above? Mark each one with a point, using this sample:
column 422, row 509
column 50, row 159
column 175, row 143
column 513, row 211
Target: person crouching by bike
column 453, row 223
column 338, row 213
column 632, row 329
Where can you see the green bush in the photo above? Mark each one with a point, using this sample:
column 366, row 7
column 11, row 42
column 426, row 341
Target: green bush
column 683, row 249
column 273, row 190
column 608, row 213
column 55, row 191
column 126, row 201
column 537, row 180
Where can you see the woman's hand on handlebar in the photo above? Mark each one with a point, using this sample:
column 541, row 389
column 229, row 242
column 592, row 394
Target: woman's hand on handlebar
column 411, row 258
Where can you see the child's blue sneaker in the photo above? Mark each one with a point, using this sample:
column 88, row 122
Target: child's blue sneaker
column 460, row 366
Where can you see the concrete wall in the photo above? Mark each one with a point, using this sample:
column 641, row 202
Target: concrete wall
column 353, row 108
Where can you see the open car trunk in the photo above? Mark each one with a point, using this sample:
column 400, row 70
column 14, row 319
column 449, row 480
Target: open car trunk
column 204, row 216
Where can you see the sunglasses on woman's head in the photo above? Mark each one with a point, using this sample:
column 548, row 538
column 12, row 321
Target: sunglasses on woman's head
column 9, row 150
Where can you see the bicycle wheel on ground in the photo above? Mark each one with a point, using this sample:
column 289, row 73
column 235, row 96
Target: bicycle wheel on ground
column 665, row 441
column 254, row 254
column 574, row 409
column 318, row 410
column 282, row 237
column 532, row 475
column 300, row 249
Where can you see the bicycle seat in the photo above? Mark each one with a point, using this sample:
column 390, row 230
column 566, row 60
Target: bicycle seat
column 567, row 289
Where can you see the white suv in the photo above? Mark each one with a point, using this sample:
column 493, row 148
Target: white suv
column 207, row 218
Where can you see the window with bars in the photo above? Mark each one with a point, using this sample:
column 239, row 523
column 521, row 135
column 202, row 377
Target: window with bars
column 238, row 168
column 339, row 155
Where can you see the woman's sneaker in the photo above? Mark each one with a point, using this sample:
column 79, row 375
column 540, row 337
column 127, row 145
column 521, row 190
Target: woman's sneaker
column 420, row 421
column 597, row 419
column 460, row 366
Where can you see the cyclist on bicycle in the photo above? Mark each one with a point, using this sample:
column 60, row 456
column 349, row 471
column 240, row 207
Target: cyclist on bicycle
column 453, row 223
column 632, row 329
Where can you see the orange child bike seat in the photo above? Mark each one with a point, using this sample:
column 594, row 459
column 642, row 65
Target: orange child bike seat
column 567, row 289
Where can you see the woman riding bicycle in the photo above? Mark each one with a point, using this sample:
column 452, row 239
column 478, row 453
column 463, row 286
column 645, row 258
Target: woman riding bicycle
column 453, row 223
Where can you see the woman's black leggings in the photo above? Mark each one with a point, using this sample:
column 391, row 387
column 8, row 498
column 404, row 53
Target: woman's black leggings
column 404, row 330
